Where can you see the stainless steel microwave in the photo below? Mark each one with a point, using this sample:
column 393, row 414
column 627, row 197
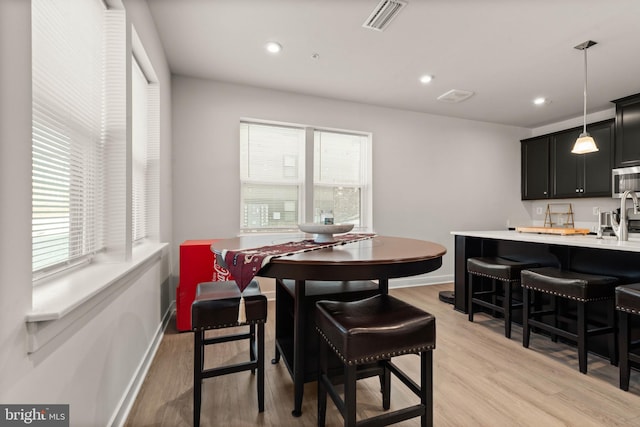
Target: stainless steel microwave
column 625, row 179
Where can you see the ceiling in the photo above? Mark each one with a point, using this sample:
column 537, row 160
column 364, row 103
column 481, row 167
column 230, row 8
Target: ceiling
column 507, row 52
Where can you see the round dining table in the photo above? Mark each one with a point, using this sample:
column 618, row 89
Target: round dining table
column 378, row 258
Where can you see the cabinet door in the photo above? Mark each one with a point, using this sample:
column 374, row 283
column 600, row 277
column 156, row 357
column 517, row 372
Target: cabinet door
column 535, row 168
column 627, row 145
column 566, row 168
column 597, row 166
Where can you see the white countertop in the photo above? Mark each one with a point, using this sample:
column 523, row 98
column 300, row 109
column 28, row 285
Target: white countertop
column 588, row 241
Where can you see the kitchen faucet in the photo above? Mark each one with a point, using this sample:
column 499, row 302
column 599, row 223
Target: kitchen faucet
column 622, row 229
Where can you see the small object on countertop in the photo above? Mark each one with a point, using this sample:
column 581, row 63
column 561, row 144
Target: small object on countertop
column 553, row 230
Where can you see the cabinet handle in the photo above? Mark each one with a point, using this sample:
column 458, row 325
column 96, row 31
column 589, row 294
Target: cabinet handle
column 577, row 190
column 545, row 193
column 582, row 190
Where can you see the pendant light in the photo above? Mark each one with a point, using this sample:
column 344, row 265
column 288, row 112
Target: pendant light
column 585, row 143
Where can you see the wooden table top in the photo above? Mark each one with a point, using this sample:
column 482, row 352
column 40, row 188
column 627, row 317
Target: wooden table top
column 381, row 257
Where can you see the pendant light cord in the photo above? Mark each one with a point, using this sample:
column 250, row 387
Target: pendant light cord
column 584, row 121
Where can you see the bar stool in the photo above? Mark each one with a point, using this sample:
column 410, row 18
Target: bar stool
column 216, row 306
column 627, row 303
column 569, row 285
column 369, row 331
column 498, row 269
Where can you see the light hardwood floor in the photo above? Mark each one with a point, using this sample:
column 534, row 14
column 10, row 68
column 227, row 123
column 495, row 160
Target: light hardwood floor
column 481, row 378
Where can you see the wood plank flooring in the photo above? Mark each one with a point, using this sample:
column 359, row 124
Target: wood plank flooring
column 481, row 378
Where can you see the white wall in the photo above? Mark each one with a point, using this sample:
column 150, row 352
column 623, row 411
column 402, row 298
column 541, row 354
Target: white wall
column 91, row 365
column 431, row 174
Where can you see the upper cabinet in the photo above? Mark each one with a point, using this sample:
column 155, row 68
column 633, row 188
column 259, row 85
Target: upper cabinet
column 535, row 168
column 627, row 147
column 582, row 175
column 550, row 170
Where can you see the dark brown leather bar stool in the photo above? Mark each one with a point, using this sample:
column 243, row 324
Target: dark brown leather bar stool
column 571, row 286
column 369, row 331
column 215, row 307
column 498, row 269
column 627, row 303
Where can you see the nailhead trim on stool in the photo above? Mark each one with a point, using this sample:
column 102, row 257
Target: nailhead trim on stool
column 627, row 304
column 216, row 306
column 375, row 330
column 498, row 269
column 580, row 287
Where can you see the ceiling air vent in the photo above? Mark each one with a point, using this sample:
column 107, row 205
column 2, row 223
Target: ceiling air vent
column 383, row 14
column 455, row 96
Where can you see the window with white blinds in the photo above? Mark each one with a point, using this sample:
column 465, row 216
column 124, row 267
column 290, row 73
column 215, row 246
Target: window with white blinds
column 95, row 162
column 278, row 192
column 68, row 148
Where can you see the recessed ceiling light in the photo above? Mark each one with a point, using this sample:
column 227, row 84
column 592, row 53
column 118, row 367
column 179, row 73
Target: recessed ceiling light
column 426, row 79
column 540, row 101
column 273, row 47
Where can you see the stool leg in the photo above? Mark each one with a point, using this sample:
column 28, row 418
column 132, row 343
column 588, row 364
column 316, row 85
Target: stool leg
column 507, row 306
column 554, row 307
column 494, row 296
column 624, row 340
column 260, row 367
column 349, row 395
column 322, row 390
column 252, row 341
column 385, row 378
column 614, row 356
column 426, row 387
column 197, row 375
column 470, row 298
column 582, row 336
column 526, row 331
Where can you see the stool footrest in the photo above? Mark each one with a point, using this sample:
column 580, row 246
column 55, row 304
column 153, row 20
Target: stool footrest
column 227, row 338
column 393, row 417
column 487, row 304
column 229, row 369
column 634, row 357
column 552, row 329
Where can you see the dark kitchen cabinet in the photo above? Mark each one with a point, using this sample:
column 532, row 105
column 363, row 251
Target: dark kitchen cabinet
column 535, row 168
column 582, row 175
column 627, row 142
column 551, row 171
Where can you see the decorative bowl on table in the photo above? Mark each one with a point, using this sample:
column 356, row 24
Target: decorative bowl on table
column 324, row 232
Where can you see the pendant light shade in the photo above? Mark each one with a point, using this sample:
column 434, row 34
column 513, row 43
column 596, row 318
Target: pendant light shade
column 585, row 143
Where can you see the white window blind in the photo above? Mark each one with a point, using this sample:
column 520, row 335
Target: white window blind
column 278, row 194
column 68, row 149
column 145, row 155
column 340, row 179
column 140, row 138
column 271, row 175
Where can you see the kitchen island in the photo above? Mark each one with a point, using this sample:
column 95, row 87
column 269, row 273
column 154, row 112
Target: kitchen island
column 587, row 254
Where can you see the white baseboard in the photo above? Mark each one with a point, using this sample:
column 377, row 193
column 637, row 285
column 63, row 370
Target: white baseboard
column 121, row 413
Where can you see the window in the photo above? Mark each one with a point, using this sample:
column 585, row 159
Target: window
column 68, row 147
column 295, row 174
column 93, row 171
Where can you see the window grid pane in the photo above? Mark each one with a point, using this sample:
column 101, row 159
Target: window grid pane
column 272, row 159
column 339, row 176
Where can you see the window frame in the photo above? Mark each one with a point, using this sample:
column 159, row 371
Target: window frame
column 121, row 46
column 306, row 192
